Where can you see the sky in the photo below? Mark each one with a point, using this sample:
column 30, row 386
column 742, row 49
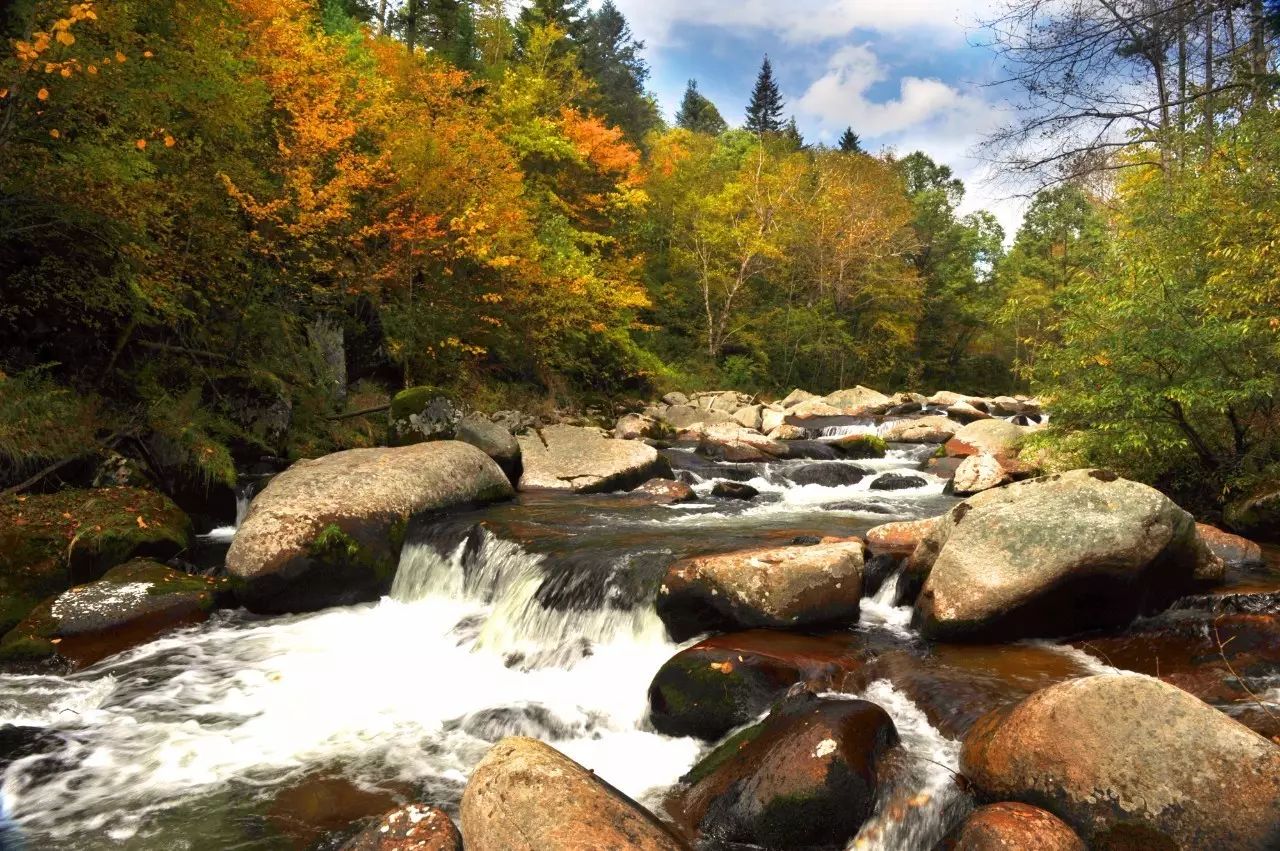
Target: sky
column 905, row 74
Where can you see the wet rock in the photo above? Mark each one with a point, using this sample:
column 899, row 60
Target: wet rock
column 412, row 827
column 664, row 492
column 527, row 796
column 861, row 446
column 922, row 430
column 734, row 490
column 1012, row 826
column 321, row 804
column 806, row 777
column 49, row 542
column 979, row 473
column 781, row 588
column 423, row 413
column 328, row 532
column 876, row 571
column 635, row 427
column 1234, row 550
column 495, row 441
column 900, row 538
column 827, row 474
column 897, row 482
column 130, row 605
column 583, row 460
column 1257, row 516
column 1131, row 762
column 1055, row 555
column 993, row 437
column 729, row 680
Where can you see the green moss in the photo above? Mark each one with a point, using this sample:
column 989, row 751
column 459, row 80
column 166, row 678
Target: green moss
column 725, row 751
column 414, row 401
column 941, row 451
column 342, row 553
column 863, row 446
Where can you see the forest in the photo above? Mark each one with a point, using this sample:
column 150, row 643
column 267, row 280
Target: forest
column 198, row 198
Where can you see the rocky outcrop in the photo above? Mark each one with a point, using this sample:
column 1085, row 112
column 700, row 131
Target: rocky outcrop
column 527, row 796
column 494, row 440
column 806, row 777
column 130, row 605
column 992, row 437
column 901, row 538
column 787, row 587
column 583, row 460
column 423, row 413
column 1131, row 762
column 1234, row 550
column 1055, row 555
column 635, row 427
column 729, row 680
column 1011, row 826
column 978, row 473
column 328, row 532
column 49, row 542
column 412, row 827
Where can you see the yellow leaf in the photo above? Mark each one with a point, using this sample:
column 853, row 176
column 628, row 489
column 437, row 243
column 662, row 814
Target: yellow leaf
column 141, row 144
column 66, row 72
column 142, row 524
column 148, row 54
column 4, row 93
column 54, row 133
column 65, row 38
column 120, row 57
column 92, row 69
column 169, row 141
column 43, row 94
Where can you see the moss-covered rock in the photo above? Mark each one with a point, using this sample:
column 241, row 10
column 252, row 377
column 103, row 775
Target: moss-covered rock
column 859, row 446
column 130, row 605
column 49, row 542
column 423, row 413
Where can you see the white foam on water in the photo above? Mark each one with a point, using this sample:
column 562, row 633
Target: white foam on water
column 879, row 609
column 416, row 686
column 1088, row 661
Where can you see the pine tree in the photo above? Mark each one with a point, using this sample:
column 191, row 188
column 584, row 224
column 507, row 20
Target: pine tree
column 764, row 113
column 568, row 15
column 450, row 31
column 791, row 132
column 699, row 114
column 610, row 55
column 850, row 143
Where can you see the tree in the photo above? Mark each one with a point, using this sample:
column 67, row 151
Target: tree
column 451, row 31
column 791, row 132
column 610, row 56
column 849, row 142
column 569, row 16
column 764, row 113
column 699, row 114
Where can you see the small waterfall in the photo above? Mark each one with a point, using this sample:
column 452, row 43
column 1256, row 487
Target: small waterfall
column 866, row 426
column 244, row 495
column 881, row 608
column 887, row 594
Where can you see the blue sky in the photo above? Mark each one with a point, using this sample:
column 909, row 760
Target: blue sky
column 902, row 73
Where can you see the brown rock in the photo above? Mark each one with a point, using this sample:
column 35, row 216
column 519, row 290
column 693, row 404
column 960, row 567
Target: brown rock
column 922, row 430
column 527, row 796
column 413, row 827
column 583, row 460
column 1012, row 826
column 663, row 492
column 1234, row 550
column 788, row 587
column 1131, row 762
column 994, row 437
column 899, row 539
column 979, row 473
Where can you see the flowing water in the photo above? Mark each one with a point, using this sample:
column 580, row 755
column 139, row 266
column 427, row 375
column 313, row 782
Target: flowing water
column 533, row 618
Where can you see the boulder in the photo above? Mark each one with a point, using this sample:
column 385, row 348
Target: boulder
column 771, row 418
column 412, row 827
column 806, row 777
column 899, row 539
column 1131, row 762
column 328, row 532
column 635, row 427
column 730, row 680
column 859, row 446
column 49, row 542
column 495, row 441
column 1234, row 550
column 663, row 492
column 795, row 397
column 897, row 482
column 1257, row 515
column 922, row 430
column 812, row 408
column 993, row 437
column 583, row 460
column 675, row 399
column 829, row 474
column 732, row 442
column 1010, row 826
column 130, row 605
column 681, row 417
column 527, row 796
column 857, row 399
column 750, row 417
column 786, row 587
column 423, row 413
column 734, row 490
column 786, row 431
column 979, row 473
column 946, row 398
column 1055, row 555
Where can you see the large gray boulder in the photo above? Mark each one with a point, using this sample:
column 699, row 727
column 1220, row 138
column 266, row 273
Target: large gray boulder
column 1131, row 762
column 527, row 796
column 786, row 587
column 1056, row 555
column 922, row 430
column 584, row 460
column 494, row 440
column 328, row 532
